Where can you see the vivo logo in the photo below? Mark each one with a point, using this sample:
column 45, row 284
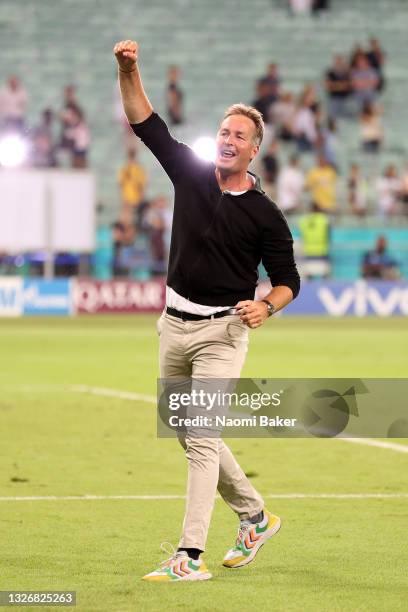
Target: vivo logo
column 362, row 299
column 10, row 296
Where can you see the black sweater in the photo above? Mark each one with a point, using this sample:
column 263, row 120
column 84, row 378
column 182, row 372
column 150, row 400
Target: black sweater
column 218, row 240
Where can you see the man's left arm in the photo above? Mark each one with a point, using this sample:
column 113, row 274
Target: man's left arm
column 279, row 262
column 255, row 312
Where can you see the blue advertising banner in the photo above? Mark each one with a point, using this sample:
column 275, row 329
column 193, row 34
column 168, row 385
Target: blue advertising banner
column 330, row 298
column 360, row 298
column 47, row 297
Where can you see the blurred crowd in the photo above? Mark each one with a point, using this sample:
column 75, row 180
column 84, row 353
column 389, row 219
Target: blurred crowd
column 60, row 137
column 308, row 126
column 141, row 233
column 292, row 187
column 352, row 86
column 298, row 162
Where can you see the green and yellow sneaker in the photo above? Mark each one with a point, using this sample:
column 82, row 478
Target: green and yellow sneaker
column 251, row 536
column 179, row 567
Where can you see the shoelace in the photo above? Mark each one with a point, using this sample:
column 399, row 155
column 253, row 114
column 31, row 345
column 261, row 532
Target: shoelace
column 169, row 549
column 243, row 530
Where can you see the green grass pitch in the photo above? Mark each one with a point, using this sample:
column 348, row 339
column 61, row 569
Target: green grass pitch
column 331, row 553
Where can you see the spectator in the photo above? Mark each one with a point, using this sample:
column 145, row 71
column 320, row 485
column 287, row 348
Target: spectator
column 356, row 53
column 156, row 219
column 357, row 191
column 118, row 230
column 13, row 105
column 315, row 233
column 378, row 264
column 364, row 81
column 338, row 88
column 132, row 181
column 131, row 252
column 77, row 133
column 290, row 185
column 371, row 129
column 68, row 116
column 174, row 96
column 283, row 113
column 270, row 163
column 310, row 99
column 319, row 6
column 43, row 153
column 328, row 142
column 135, row 258
column 388, row 190
column 304, row 126
column 272, row 80
column 376, row 59
column 321, row 180
column 264, row 100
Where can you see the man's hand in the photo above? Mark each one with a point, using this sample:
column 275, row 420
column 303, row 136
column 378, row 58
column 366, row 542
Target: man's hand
column 126, row 54
column 136, row 104
column 252, row 312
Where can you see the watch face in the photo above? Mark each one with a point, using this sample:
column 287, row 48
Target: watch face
column 271, row 309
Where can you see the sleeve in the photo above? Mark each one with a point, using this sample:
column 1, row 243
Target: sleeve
column 176, row 158
column 277, row 254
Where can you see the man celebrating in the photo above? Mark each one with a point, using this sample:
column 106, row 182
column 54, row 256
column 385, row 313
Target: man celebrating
column 223, row 227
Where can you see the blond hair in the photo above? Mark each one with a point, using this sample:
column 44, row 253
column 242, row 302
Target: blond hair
column 251, row 113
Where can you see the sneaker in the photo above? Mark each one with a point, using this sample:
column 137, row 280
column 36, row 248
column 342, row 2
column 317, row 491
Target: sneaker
column 251, row 536
column 179, row 567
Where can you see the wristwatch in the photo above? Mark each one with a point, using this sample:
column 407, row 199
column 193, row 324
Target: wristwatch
column 271, row 307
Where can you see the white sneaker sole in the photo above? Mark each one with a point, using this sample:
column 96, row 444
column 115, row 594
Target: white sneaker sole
column 265, row 537
column 190, row 577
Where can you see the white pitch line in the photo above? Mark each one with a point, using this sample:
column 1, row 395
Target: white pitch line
column 151, row 399
column 173, row 497
column 399, row 448
column 128, row 395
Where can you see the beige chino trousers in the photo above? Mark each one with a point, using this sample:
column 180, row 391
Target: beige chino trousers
column 214, row 348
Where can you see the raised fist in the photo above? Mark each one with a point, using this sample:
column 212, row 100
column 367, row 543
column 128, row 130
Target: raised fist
column 126, row 54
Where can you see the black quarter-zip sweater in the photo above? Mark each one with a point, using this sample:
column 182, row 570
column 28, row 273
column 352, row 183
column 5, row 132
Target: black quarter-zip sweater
column 218, row 240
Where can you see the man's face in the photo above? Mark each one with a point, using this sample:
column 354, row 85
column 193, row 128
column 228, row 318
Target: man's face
column 235, row 144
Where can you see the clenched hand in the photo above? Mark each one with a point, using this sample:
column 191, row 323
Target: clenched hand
column 126, row 54
column 252, row 312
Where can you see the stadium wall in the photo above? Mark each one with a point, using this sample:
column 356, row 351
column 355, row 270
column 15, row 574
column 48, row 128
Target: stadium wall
column 64, row 297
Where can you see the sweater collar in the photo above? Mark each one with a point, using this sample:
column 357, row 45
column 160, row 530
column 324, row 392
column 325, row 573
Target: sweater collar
column 257, row 184
column 256, row 187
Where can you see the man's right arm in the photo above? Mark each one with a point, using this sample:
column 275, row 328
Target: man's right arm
column 177, row 159
column 136, row 104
